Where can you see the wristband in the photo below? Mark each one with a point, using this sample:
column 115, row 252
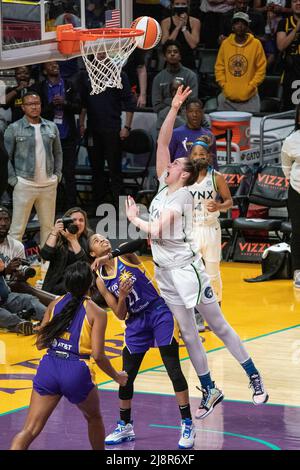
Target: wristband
column 53, row 234
column 128, row 128
column 183, row 29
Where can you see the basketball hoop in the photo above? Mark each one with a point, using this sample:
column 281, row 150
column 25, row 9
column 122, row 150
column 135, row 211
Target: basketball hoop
column 104, row 52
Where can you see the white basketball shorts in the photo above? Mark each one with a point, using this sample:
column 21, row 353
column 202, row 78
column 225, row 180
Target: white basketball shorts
column 186, row 286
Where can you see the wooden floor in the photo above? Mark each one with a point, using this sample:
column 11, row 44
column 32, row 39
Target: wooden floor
column 265, row 315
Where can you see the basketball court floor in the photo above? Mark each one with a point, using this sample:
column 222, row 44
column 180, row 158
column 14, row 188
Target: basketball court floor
column 266, row 316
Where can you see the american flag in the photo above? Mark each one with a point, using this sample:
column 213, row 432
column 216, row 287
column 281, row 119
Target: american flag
column 112, row 19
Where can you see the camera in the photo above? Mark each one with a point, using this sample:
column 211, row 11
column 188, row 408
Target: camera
column 180, row 10
column 69, row 225
column 26, row 270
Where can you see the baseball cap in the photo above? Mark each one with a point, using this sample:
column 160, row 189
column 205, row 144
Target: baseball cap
column 240, row 15
column 4, row 209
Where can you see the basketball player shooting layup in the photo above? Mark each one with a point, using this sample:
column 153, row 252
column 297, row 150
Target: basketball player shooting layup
column 179, row 270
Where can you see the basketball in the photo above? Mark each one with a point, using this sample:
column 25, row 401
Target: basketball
column 152, row 31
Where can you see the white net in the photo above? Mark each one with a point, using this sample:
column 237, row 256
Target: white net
column 104, row 59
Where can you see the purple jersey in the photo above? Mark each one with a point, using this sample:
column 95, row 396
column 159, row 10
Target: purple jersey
column 77, row 337
column 63, row 370
column 182, row 139
column 151, row 323
column 143, row 292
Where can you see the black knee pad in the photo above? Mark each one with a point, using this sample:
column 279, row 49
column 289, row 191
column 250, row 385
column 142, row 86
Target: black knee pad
column 126, row 393
column 171, row 361
column 131, row 364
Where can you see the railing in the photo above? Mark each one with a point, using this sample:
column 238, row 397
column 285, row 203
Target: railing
column 262, row 135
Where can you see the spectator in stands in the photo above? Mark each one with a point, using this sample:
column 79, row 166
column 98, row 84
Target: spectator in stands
column 34, row 167
column 288, row 43
column 278, row 6
column 290, row 160
column 103, row 113
column 161, row 91
column 153, row 8
column 60, row 102
column 15, row 308
column 94, row 14
column 135, row 69
column 274, row 11
column 63, row 248
column 212, row 12
column 257, row 21
column 184, row 136
column 240, row 67
column 181, row 117
column 182, row 28
column 3, row 166
column 14, row 95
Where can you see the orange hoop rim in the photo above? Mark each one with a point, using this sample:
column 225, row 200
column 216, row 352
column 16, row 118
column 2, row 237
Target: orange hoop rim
column 67, row 32
column 114, row 33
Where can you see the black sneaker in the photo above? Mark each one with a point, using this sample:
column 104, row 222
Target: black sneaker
column 24, row 328
column 26, row 314
column 260, row 395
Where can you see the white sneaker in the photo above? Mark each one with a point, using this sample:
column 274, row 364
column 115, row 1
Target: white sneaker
column 260, row 395
column 297, row 279
column 211, row 397
column 188, row 434
column 122, row 433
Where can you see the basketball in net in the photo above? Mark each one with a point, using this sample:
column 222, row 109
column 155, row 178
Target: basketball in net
column 152, row 32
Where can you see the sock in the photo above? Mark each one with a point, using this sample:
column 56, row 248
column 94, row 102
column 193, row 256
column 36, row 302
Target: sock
column 125, row 415
column 206, row 381
column 185, row 411
column 249, row 367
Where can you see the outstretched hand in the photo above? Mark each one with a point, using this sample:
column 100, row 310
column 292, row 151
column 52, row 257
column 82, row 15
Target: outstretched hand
column 132, row 209
column 180, row 97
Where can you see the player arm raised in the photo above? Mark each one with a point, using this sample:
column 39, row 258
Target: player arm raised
column 119, row 306
column 157, row 227
column 163, row 154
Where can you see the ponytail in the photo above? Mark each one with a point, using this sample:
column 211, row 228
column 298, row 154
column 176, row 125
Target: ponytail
column 59, row 324
column 78, row 280
column 192, row 167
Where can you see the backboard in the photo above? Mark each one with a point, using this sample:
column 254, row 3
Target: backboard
column 28, row 28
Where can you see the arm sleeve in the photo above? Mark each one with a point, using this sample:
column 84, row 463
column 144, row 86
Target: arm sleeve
column 260, row 66
column 57, row 153
column 20, row 251
column 72, row 98
column 192, row 82
column 220, row 68
column 48, row 253
column 3, row 166
column 128, row 102
column 9, row 143
column 158, row 102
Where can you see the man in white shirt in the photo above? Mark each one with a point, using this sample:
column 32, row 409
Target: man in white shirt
column 34, row 168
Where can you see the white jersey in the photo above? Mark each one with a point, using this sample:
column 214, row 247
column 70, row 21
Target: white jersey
column 175, row 248
column 204, row 192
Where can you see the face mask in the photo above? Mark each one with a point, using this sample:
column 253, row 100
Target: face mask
column 202, row 164
column 179, row 10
